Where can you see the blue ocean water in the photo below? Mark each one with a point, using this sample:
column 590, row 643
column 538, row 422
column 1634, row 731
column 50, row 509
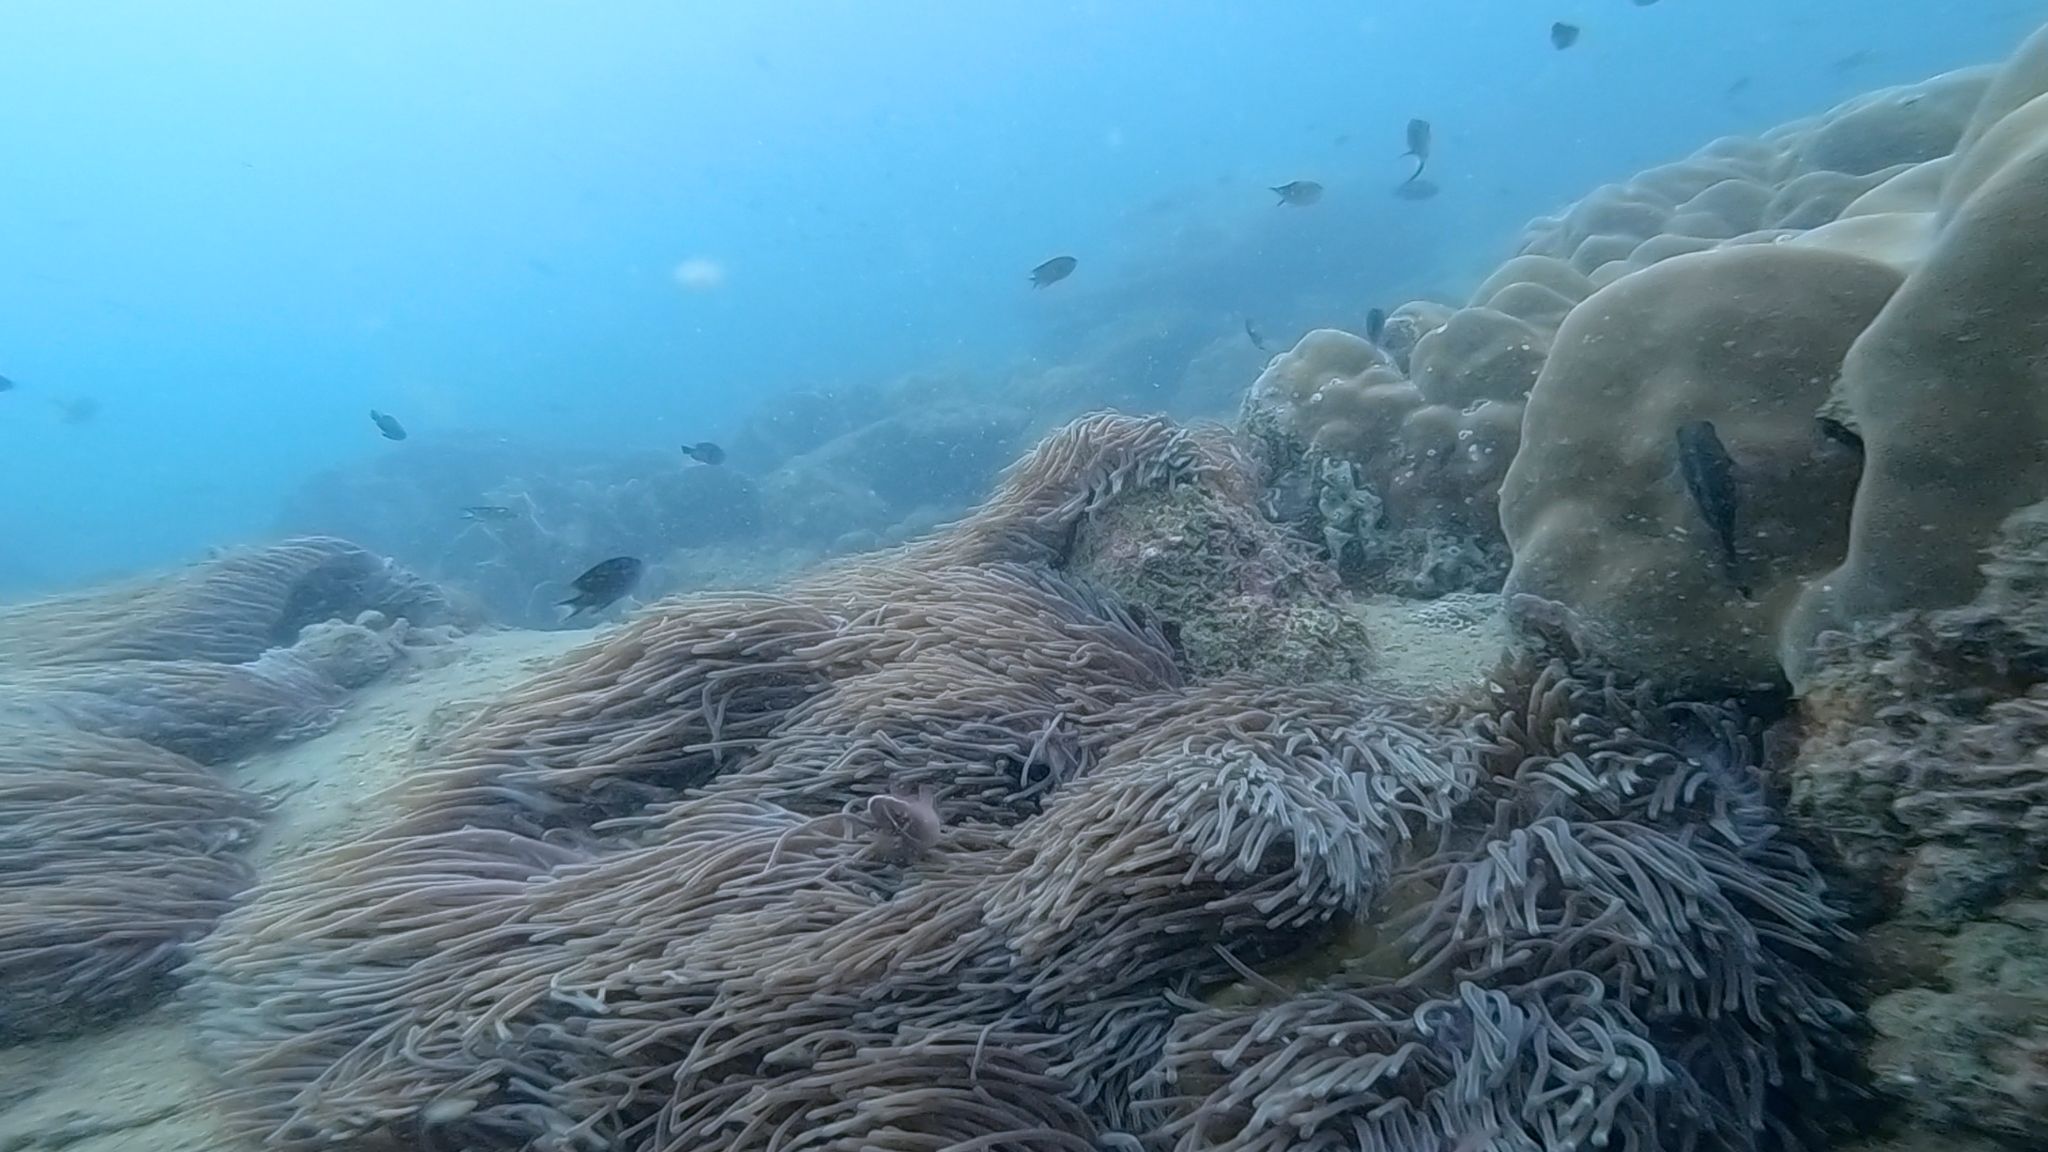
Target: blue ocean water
column 238, row 226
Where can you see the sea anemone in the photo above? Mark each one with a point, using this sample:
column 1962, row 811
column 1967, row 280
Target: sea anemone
column 1614, row 946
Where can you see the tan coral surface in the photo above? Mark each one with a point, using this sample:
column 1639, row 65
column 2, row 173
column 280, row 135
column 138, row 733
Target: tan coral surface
column 1595, row 507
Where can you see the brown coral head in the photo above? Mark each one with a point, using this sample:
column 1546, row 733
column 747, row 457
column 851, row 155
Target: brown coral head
column 905, row 827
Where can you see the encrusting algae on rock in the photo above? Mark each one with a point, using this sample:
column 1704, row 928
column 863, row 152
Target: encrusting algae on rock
column 1237, row 592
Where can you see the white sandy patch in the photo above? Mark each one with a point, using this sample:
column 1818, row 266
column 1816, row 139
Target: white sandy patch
column 1433, row 646
column 328, row 786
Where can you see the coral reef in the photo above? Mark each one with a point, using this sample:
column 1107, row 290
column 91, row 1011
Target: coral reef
column 1431, row 420
column 1595, row 506
column 663, row 864
column 1235, row 593
column 948, row 847
column 563, row 511
column 1924, row 773
column 1079, row 823
column 120, row 847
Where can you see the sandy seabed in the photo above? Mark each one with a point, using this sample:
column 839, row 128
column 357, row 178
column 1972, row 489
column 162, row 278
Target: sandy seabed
column 137, row 1085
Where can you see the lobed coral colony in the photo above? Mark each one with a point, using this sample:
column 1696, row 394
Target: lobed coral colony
column 1081, row 824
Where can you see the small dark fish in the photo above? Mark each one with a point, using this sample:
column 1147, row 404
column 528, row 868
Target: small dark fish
column 1053, row 271
column 6, row 385
column 705, row 452
column 1418, row 147
column 1642, row 3
column 1839, row 433
column 1563, row 35
column 489, row 512
column 1850, row 61
column 1252, row 334
column 1375, row 324
column 601, row 586
column 1736, row 87
column 1299, row 193
column 1710, row 478
column 77, row 411
column 1417, row 190
column 388, row 425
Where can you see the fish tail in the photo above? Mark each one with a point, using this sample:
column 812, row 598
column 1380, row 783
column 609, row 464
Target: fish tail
column 1731, row 567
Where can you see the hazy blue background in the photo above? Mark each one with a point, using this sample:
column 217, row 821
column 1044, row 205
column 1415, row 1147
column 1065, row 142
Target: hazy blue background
column 241, row 225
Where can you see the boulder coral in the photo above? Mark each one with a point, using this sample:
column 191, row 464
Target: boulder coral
column 1949, row 390
column 1433, row 468
column 1852, row 301
column 1596, row 507
column 1432, row 420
